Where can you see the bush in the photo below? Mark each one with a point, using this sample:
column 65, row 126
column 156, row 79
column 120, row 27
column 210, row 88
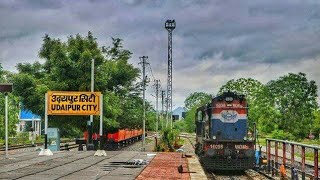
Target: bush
column 21, row 138
column 169, row 139
column 280, row 134
column 180, row 125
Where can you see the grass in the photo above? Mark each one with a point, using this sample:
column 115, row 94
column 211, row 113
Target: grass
column 309, row 155
column 310, row 142
column 261, row 141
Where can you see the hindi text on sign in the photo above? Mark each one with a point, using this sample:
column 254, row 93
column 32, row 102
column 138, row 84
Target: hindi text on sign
column 73, row 103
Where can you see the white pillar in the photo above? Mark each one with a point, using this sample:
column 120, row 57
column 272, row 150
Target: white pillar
column 6, row 123
column 46, row 151
column 101, row 152
column 40, row 128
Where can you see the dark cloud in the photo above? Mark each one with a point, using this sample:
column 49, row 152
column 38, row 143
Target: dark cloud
column 212, row 38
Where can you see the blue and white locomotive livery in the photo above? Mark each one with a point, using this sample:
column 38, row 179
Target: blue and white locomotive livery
column 222, row 140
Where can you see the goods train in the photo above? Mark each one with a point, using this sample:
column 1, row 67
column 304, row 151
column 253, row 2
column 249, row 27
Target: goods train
column 117, row 139
column 222, row 139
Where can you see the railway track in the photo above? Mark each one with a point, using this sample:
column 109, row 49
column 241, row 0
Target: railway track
column 13, row 147
column 237, row 175
column 231, row 175
column 71, row 145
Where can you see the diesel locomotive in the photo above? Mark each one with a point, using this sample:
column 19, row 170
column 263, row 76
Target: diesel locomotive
column 222, row 138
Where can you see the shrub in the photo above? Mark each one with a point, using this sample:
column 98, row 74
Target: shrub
column 280, row 134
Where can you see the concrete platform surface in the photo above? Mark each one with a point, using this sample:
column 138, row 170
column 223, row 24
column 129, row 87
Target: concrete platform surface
column 75, row 165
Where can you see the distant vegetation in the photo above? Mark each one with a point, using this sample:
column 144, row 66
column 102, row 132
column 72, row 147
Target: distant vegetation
column 285, row 108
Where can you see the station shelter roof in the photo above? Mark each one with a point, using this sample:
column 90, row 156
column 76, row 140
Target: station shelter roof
column 26, row 115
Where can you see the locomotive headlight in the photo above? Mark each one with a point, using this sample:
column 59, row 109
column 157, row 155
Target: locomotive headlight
column 214, row 137
column 245, row 138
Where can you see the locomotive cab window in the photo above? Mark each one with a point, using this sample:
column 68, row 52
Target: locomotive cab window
column 199, row 128
column 199, row 116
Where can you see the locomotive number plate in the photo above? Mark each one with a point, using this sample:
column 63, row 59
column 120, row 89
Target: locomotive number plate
column 241, row 146
column 216, row 146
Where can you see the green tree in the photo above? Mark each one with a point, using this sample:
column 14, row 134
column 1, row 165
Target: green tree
column 192, row 102
column 254, row 92
column 294, row 97
column 190, row 124
column 316, row 123
column 13, row 106
column 197, row 99
column 248, row 87
column 67, row 67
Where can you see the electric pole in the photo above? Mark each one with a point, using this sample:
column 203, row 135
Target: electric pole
column 162, row 104
column 157, row 85
column 170, row 25
column 144, row 62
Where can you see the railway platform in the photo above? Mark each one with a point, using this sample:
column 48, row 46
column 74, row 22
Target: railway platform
column 78, row 165
column 74, row 165
column 165, row 166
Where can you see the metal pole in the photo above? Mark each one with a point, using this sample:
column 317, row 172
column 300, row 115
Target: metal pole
column 157, row 114
column 92, row 90
column 303, row 162
column 46, row 122
column 144, row 58
column 276, row 156
column 144, row 108
column 33, row 128
column 316, row 166
column 6, row 123
column 162, row 103
column 167, row 111
column 170, row 25
column 101, row 121
column 269, row 154
column 284, row 158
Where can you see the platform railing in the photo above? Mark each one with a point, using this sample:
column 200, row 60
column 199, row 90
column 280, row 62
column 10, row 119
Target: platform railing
column 291, row 148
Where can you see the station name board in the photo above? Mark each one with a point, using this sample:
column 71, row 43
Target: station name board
column 73, row 103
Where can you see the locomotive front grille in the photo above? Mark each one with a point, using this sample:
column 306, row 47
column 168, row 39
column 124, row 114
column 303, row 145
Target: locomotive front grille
column 212, row 163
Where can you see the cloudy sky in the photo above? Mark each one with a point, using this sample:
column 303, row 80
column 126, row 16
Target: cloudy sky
column 214, row 40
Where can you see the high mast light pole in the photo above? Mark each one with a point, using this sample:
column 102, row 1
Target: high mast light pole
column 170, row 25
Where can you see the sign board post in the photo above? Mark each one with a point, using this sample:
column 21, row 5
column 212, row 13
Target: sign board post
column 101, row 152
column 6, row 88
column 46, row 151
column 71, row 103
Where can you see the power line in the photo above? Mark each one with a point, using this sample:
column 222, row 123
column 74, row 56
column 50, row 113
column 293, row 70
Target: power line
column 150, row 68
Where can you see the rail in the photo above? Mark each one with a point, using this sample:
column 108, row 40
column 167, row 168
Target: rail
column 289, row 148
column 21, row 146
